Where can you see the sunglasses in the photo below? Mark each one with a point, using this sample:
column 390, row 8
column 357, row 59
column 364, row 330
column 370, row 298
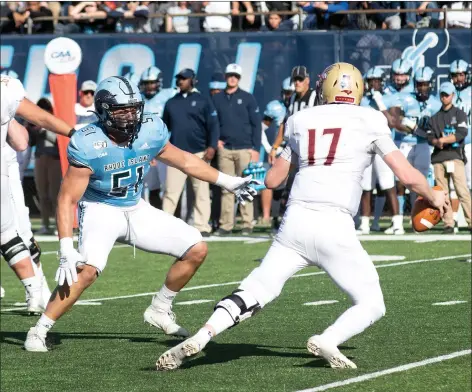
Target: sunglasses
column 298, row 79
column 229, row 75
column 87, row 92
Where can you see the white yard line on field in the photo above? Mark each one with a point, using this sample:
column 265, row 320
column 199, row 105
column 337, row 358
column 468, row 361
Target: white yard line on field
column 206, row 286
column 398, row 369
column 316, row 303
column 449, row 303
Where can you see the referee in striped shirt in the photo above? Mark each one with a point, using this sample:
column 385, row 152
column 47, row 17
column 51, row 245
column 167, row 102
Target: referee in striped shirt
column 303, row 98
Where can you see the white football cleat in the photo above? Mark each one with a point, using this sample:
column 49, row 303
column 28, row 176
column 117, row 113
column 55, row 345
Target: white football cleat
column 173, row 358
column 35, row 342
column 330, row 352
column 2, row 292
column 164, row 320
column 395, row 231
column 363, row 231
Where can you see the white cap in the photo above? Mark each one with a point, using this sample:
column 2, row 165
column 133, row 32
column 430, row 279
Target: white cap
column 88, row 85
column 234, row 69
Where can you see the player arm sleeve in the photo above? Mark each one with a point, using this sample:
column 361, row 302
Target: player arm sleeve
column 289, row 155
column 77, row 156
column 383, row 146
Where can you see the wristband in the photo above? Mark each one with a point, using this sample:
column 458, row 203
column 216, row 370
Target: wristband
column 71, row 132
column 66, row 243
column 224, row 180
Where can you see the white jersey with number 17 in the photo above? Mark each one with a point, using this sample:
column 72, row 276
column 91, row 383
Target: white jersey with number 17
column 332, row 145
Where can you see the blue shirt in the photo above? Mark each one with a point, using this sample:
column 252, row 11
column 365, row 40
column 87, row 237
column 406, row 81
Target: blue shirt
column 420, row 111
column 463, row 102
column 157, row 103
column 117, row 172
column 193, row 122
column 239, row 120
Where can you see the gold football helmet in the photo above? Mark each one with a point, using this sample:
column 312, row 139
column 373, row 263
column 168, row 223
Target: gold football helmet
column 340, row 83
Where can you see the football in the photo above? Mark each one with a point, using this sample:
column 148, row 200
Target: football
column 424, row 216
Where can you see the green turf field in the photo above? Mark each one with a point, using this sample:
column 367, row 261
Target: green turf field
column 107, row 346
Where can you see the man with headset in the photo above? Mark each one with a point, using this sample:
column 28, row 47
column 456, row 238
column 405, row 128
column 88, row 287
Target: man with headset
column 192, row 118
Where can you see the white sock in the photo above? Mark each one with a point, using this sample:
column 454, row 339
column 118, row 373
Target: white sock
column 164, row 298
column 352, row 322
column 397, row 221
column 365, row 221
column 220, row 321
column 44, row 324
column 202, row 337
column 32, row 286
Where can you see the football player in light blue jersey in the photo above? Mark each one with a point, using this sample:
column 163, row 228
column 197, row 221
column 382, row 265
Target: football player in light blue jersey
column 155, row 97
column 107, row 162
column 288, row 89
column 378, row 173
column 461, row 77
column 415, row 110
column 400, row 78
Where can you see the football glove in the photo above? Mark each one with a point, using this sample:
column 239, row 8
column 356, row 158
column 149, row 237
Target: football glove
column 68, row 259
column 410, row 123
column 239, row 186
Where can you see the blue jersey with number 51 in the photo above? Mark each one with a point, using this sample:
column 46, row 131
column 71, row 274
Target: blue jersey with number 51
column 117, row 172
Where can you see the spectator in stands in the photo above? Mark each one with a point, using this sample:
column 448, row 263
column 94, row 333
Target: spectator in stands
column 89, row 16
column 421, row 18
column 457, row 18
column 275, row 23
column 32, row 10
column 247, row 22
column 446, row 131
column 322, row 14
column 159, row 7
column 217, row 23
column 240, row 141
column 132, row 17
column 368, row 21
column 178, row 24
column 85, row 106
column 192, row 119
column 47, row 169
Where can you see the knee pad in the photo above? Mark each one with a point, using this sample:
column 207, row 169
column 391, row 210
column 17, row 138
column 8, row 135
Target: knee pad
column 240, row 305
column 14, row 250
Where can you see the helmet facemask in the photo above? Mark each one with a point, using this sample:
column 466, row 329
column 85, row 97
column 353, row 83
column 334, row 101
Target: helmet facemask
column 423, row 90
column 149, row 88
column 122, row 121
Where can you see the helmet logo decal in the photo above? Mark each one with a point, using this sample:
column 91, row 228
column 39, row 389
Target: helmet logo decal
column 345, row 84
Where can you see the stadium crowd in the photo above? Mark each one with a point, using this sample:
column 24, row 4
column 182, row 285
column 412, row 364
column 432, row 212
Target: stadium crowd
column 135, row 16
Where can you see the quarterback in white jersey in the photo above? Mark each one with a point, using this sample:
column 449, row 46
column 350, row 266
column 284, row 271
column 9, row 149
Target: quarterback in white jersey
column 12, row 248
column 332, row 144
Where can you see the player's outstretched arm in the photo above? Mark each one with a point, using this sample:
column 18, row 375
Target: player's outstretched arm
column 414, row 180
column 73, row 187
column 17, row 136
column 35, row 115
column 280, row 170
column 198, row 168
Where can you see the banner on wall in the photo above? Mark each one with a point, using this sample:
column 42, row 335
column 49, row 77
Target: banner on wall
column 266, row 58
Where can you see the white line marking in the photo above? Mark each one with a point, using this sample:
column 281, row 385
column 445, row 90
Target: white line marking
column 327, row 302
column 197, row 301
column 206, row 286
column 402, row 368
column 449, row 303
column 22, row 305
column 12, row 309
column 386, row 258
